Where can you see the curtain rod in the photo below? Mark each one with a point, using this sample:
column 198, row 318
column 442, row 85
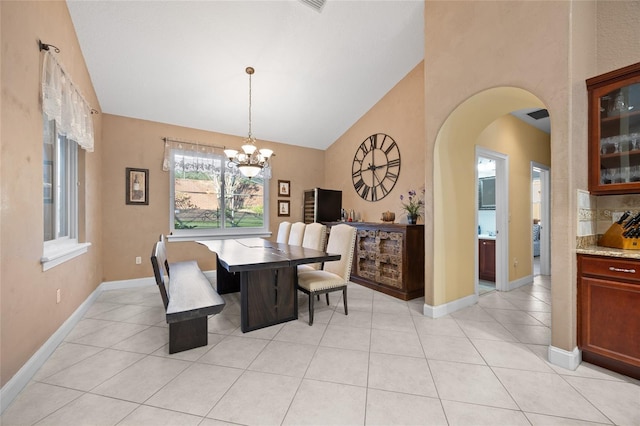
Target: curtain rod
column 46, row 47
column 170, row 139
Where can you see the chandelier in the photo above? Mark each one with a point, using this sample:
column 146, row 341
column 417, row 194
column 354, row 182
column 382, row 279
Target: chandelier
column 251, row 160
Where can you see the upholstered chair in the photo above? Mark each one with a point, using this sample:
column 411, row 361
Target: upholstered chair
column 315, row 237
column 283, row 232
column 297, row 234
column 334, row 275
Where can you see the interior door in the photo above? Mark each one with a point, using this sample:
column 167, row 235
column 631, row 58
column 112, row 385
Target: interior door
column 502, row 216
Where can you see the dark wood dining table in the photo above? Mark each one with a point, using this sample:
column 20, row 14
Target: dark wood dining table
column 265, row 274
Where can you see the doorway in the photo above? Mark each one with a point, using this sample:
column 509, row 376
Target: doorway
column 540, row 213
column 492, row 201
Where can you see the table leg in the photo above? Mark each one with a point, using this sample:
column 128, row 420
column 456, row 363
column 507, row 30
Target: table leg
column 267, row 297
column 227, row 282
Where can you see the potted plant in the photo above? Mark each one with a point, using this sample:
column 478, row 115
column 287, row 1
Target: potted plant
column 413, row 203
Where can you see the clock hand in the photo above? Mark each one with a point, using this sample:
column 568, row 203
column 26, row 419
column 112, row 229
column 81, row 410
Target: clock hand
column 376, row 176
column 373, row 172
column 373, row 158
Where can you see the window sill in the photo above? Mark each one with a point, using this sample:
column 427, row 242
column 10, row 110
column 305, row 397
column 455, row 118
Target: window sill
column 195, row 236
column 62, row 253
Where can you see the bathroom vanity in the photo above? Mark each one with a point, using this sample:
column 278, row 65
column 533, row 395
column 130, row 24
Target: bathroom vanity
column 487, row 258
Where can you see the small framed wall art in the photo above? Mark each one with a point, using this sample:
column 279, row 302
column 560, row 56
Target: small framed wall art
column 284, row 188
column 283, row 208
column 137, row 188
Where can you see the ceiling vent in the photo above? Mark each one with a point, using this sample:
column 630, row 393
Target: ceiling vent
column 317, row 5
column 539, row 114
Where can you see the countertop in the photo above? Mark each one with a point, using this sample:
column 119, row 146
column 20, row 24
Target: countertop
column 609, row 252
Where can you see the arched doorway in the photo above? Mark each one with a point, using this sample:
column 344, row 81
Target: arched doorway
column 454, row 198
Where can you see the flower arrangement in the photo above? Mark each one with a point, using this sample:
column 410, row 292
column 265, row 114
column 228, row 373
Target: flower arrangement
column 414, row 202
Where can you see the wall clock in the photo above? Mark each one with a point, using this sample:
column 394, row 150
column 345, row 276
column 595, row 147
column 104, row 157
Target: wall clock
column 376, row 167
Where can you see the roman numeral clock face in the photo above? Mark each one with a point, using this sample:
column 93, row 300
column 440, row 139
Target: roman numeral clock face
column 376, row 167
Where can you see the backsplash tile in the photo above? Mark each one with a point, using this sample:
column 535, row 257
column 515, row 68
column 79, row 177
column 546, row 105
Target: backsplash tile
column 586, row 241
column 586, row 214
column 612, row 206
column 597, row 213
column 585, row 200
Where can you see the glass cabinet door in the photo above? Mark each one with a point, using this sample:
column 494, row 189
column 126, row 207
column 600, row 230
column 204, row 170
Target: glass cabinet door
column 615, row 136
column 620, row 135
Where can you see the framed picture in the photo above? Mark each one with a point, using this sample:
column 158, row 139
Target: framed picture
column 283, row 207
column 137, row 189
column 284, row 189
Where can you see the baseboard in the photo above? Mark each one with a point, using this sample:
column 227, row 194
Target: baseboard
column 134, row 283
column 519, row 282
column 15, row 385
column 449, row 307
column 211, row 275
column 565, row 359
column 142, row 282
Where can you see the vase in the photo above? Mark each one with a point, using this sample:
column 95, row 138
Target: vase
column 412, row 219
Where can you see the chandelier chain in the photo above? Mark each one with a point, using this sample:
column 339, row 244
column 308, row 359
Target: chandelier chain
column 251, row 160
column 250, row 105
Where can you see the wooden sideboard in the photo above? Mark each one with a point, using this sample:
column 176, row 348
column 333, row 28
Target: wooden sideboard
column 389, row 258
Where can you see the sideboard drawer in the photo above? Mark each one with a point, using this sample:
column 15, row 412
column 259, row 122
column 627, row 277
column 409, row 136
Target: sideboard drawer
column 625, row 269
column 389, row 258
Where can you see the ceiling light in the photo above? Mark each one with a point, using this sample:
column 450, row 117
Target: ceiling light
column 251, row 160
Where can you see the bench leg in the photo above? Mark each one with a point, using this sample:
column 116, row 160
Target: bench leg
column 188, row 334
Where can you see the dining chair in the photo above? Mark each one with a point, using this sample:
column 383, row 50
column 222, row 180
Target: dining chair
column 297, row 234
column 315, row 237
column 283, row 232
column 334, row 275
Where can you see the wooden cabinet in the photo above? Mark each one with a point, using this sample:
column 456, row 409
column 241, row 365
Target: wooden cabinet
column 614, row 131
column 608, row 314
column 487, row 259
column 389, row 258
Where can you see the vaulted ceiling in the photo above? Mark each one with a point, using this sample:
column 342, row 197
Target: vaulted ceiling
column 183, row 62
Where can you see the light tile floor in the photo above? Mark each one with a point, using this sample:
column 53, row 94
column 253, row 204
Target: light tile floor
column 383, row 364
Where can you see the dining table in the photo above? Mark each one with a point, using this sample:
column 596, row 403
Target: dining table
column 265, row 274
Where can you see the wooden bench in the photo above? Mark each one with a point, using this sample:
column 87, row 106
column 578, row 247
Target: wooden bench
column 188, row 299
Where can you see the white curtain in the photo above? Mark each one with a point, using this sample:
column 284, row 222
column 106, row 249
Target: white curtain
column 170, row 144
column 62, row 102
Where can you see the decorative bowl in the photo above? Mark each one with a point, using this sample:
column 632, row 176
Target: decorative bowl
column 388, row 216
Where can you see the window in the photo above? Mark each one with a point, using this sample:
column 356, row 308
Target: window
column 60, row 197
column 211, row 198
column 67, row 124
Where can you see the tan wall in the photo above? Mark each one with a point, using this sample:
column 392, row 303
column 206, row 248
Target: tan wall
column 29, row 313
column 131, row 230
column 522, row 143
column 618, row 34
column 400, row 114
column 618, row 46
column 504, row 44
